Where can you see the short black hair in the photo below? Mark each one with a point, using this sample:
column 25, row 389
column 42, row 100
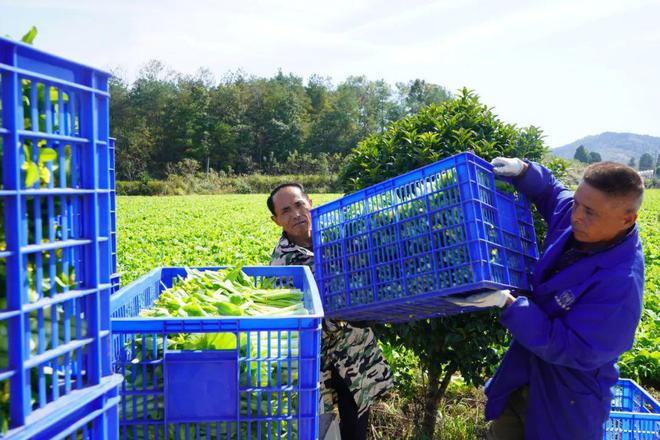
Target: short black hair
column 269, row 202
column 616, row 180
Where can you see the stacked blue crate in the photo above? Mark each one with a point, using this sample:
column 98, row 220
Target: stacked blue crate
column 393, row 251
column 55, row 247
column 267, row 387
column 115, row 278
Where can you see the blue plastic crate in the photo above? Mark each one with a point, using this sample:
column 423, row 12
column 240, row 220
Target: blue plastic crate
column 115, row 281
column 87, row 414
column 115, row 278
column 54, row 231
column 201, row 393
column 635, row 415
column 392, row 251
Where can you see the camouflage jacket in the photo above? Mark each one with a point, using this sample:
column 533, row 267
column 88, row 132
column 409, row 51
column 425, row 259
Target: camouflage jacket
column 354, row 352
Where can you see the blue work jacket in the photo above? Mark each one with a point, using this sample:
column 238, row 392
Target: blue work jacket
column 570, row 331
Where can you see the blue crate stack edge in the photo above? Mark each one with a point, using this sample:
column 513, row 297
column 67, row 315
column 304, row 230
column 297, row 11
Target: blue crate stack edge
column 55, row 264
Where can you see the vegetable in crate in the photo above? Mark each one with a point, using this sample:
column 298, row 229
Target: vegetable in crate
column 228, row 292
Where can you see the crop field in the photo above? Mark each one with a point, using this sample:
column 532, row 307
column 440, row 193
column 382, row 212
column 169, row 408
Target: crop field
column 195, row 231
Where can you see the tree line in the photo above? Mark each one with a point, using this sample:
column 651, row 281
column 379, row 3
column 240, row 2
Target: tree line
column 247, row 124
column 646, row 161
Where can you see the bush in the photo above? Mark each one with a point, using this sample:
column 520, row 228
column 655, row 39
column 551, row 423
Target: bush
column 216, row 183
column 469, row 344
column 306, row 163
column 141, row 188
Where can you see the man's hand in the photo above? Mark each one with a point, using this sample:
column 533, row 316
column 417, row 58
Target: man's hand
column 496, row 298
column 508, row 166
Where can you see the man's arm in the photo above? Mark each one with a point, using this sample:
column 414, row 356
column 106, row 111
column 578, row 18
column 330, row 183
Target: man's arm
column 595, row 331
column 537, row 183
column 541, row 188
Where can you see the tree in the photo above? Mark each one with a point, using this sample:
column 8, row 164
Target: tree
column 246, row 123
column 416, row 94
column 645, row 162
column 336, row 129
column 464, row 343
column 594, row 157
column 581, row 154
column 150, row 97
column 632, row 163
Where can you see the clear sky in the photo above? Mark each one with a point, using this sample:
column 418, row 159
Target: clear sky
column 572, row 68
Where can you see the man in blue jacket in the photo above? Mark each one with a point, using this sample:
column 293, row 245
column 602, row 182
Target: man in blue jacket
column 555, row 380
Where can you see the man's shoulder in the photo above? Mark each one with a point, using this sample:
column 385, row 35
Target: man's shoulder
column 287, row 253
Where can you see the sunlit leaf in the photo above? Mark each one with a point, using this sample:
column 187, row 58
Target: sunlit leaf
column 30, row 35
column 31, row 174
column 44, row 174
column 47, row 154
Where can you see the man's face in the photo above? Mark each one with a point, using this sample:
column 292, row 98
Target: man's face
column 292, row 212
column 598, row 217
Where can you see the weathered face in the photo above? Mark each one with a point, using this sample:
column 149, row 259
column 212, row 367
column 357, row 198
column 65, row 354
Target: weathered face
column 599, row 217
column 292, row 212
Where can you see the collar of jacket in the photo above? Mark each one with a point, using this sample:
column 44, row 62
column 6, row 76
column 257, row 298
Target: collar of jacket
column 609, row 258
column 287, row 245
column 600, row 247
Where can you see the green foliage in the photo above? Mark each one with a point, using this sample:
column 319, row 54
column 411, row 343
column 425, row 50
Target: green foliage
column 220, row 183
column 142, row 188
column 585, row 156
column 29, row 37
column 594, row 157
column 645, row 162
column 307, row 163
column 581, row 154
column 245, row 123
column 466, row 343
column 642, row 363
column 437, row 131
column 195, row 231
column 227, row 292
column 405, row 369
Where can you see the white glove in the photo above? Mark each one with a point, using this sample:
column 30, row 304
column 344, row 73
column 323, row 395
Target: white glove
column 508, row 166
column 495, row 298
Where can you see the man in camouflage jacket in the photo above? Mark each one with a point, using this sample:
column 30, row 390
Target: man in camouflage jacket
column 353, row 371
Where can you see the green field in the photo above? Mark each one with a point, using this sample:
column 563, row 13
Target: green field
column 195, row 231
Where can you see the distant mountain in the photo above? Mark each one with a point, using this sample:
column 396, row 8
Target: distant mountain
column 617, row 147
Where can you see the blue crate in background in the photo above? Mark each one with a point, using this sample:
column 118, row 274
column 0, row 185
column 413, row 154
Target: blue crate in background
column 250, row 390
column 635, row 415
column 55, row 247
column 391, row 252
